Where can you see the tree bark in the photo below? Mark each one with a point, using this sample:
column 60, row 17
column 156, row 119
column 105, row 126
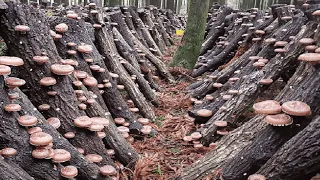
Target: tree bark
column 187, row 54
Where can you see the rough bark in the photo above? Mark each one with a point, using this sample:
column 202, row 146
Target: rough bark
column 35, row 42
column 229, row 146
column 9, row 170
column 250, row 86
column 132, row 40
column 105, row 46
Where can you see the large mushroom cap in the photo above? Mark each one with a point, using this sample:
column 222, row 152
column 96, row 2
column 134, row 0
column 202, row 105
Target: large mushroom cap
column 204, row 113
column 7, row 152
column 61, row 69
column 306, row 41
column 85, row 48
column 61, row 28
column 12, row 107
column 27, row 120
column 95, row 158
column 40, row 139
column 40, row 153
column 314, row 58
column 279, row 120
column 13, row 82
column 61, row 155
column 11, row 61
column 90, row 81
column 256, row 177
column 41, row 59
column 22, row 28
column 82, row 121
column 48, row 81
column 267, row 107
column 296, row 108
column 55, row 122
column 5, row 70
column 69, row 172
column 108, row 170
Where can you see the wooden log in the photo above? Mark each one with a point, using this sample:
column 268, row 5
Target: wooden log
column 26, row 46
column 229, row 146
column 268, row 141
column 146, row 18
column 160, row 26
column 217, row 29
column 250, row 85
column 132, row 40
column 298, row 158
column 16, row 136
column 9, row 170
column 139, row 23
column 106, row 45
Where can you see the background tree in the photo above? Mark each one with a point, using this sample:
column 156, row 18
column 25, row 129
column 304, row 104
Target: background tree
column 189, row 50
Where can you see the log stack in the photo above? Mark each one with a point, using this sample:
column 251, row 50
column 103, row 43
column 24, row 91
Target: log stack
column 77, row 86
column 245, row 55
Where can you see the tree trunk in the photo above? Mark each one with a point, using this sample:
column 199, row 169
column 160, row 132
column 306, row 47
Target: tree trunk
column 187, row 54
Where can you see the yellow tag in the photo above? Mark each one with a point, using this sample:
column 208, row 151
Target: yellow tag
column 179, row 32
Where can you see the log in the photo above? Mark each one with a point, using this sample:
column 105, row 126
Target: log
column 132, row 40
column 160, row 26
column 229, row 146
column 35, row 42
column 217, row 29
column 9, row 170
column 16, row 136
column 105, row 46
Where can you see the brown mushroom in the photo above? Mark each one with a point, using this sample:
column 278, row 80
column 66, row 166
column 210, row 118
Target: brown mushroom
column 296, row 108
column 267, row 107
column 278, row 120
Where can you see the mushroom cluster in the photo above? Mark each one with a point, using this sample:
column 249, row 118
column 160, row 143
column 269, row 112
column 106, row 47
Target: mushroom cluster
column 272, row 109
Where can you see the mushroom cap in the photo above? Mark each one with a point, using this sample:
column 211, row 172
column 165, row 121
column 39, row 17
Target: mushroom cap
column 311, row 48
column 119, row 120
column 61, row 69
column 296, row 108
column 69, row 172
column 260, row 32
column 306, row 41
column 266, row 81
column 40, row 139
column 90, row 81
column 55, row 122
column 69, row 135
column 71, row 44
column 13, row 82
column 70, row 62
column 27, row 120
column 255, row 57
column 44, row 107
column 146, row 129
column 110, row 152
column 61, row 28
column 107, row 170
column 270, row 40
column 278, row 120
column 280, row 50
column 217, row 85
column 267, row 107
column 100, row 120
column 34, row 130
column 48, row 81
column 72, row 15
column 5, row 70
column 123, row 129
column 280, row 43
column 80, row 74
column 221, row 123
column 61, row 155
column 256, row 177
column 82, row 121
column 222, row 132
column 204, row 113
column 310, row 57
column 40, row 153
column 101, row 134
column 94, row 158
column 7, row 152
column 22, row 28
column 85, row 48
column 143, row 121
column 12, row 107
column 40, row 59
column 196, row 135
column 187, row 138
column 96, row 127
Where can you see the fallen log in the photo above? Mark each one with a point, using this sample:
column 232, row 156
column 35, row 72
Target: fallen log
column 9, row 170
